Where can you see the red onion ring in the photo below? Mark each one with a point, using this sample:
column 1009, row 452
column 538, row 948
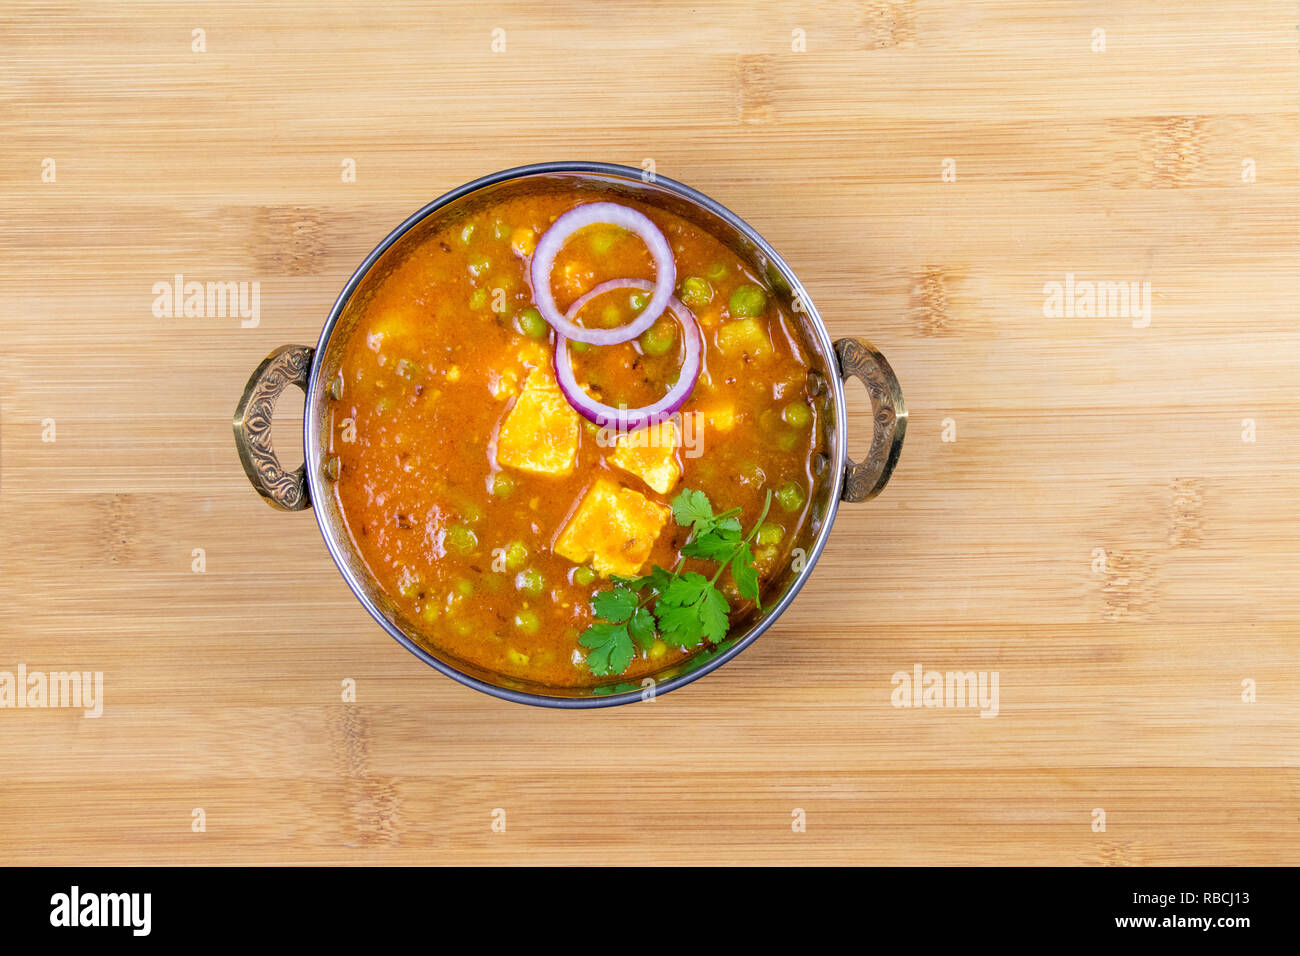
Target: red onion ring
column 580, row 302
column 630, row 419
column 553, row 240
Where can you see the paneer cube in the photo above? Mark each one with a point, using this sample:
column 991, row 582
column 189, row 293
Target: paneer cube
column 614, row 528
column 503, row 382
column 745, row 336
column 650, row 453
column 721, row 417
column 540, row 433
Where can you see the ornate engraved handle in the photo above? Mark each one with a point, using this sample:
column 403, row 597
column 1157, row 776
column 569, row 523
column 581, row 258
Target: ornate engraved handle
column 288, row 365
column 866, row 479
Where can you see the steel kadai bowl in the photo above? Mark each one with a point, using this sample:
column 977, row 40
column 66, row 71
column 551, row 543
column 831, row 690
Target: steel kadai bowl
column 832, row 363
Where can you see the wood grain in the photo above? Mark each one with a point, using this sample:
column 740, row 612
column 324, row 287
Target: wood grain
column 1120, row 687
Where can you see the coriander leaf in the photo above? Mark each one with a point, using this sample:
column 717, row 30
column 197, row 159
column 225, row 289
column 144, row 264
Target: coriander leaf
column 622, row 653
column 686, row 589
column 730, row 524
column 692, row 508
column 642, row 627
column 745, row 576
column 599, row 634
column 679, row 626
column 615, row 606
column 713, row 613
column 691, row 608
column 611, row 649
column 717, row 545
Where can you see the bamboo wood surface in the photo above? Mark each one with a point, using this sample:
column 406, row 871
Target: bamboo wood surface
column 1079, row 506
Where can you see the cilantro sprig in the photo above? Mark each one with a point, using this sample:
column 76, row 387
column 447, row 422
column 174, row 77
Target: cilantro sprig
column 682, row 608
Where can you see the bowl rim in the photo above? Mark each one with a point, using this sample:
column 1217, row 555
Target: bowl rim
column 311, row 435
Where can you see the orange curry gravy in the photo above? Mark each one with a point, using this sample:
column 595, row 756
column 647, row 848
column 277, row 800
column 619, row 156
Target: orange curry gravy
column 461, row 543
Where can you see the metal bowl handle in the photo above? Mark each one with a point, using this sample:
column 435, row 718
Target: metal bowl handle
column 859, row 359
column 287, row 490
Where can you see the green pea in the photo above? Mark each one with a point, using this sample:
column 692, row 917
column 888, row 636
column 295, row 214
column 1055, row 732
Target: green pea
column 530, row 581
column 796, row 414
column 603, row 240
column 501, row 230
column 659, row 338
column 531, row 324
column 786, row 440
column 580, row 346
column 770, row 534
column 695, row 292
column 638, row 301
column 466, row 233
column 717, row 271
column 527, row 622
column 790, row 496
column 431, row 612
column 747, row 302
column 465, row 586
column 479, row 264
column 463, row 628
column 461, row 539
column 516, row 555
column 478, row 298
column 584, row 576
column 502, row 485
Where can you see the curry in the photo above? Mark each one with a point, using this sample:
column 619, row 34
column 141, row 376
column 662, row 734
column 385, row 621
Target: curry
column 567, row 512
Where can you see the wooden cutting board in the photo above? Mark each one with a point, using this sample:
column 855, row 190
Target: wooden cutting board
column 1098, row 507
